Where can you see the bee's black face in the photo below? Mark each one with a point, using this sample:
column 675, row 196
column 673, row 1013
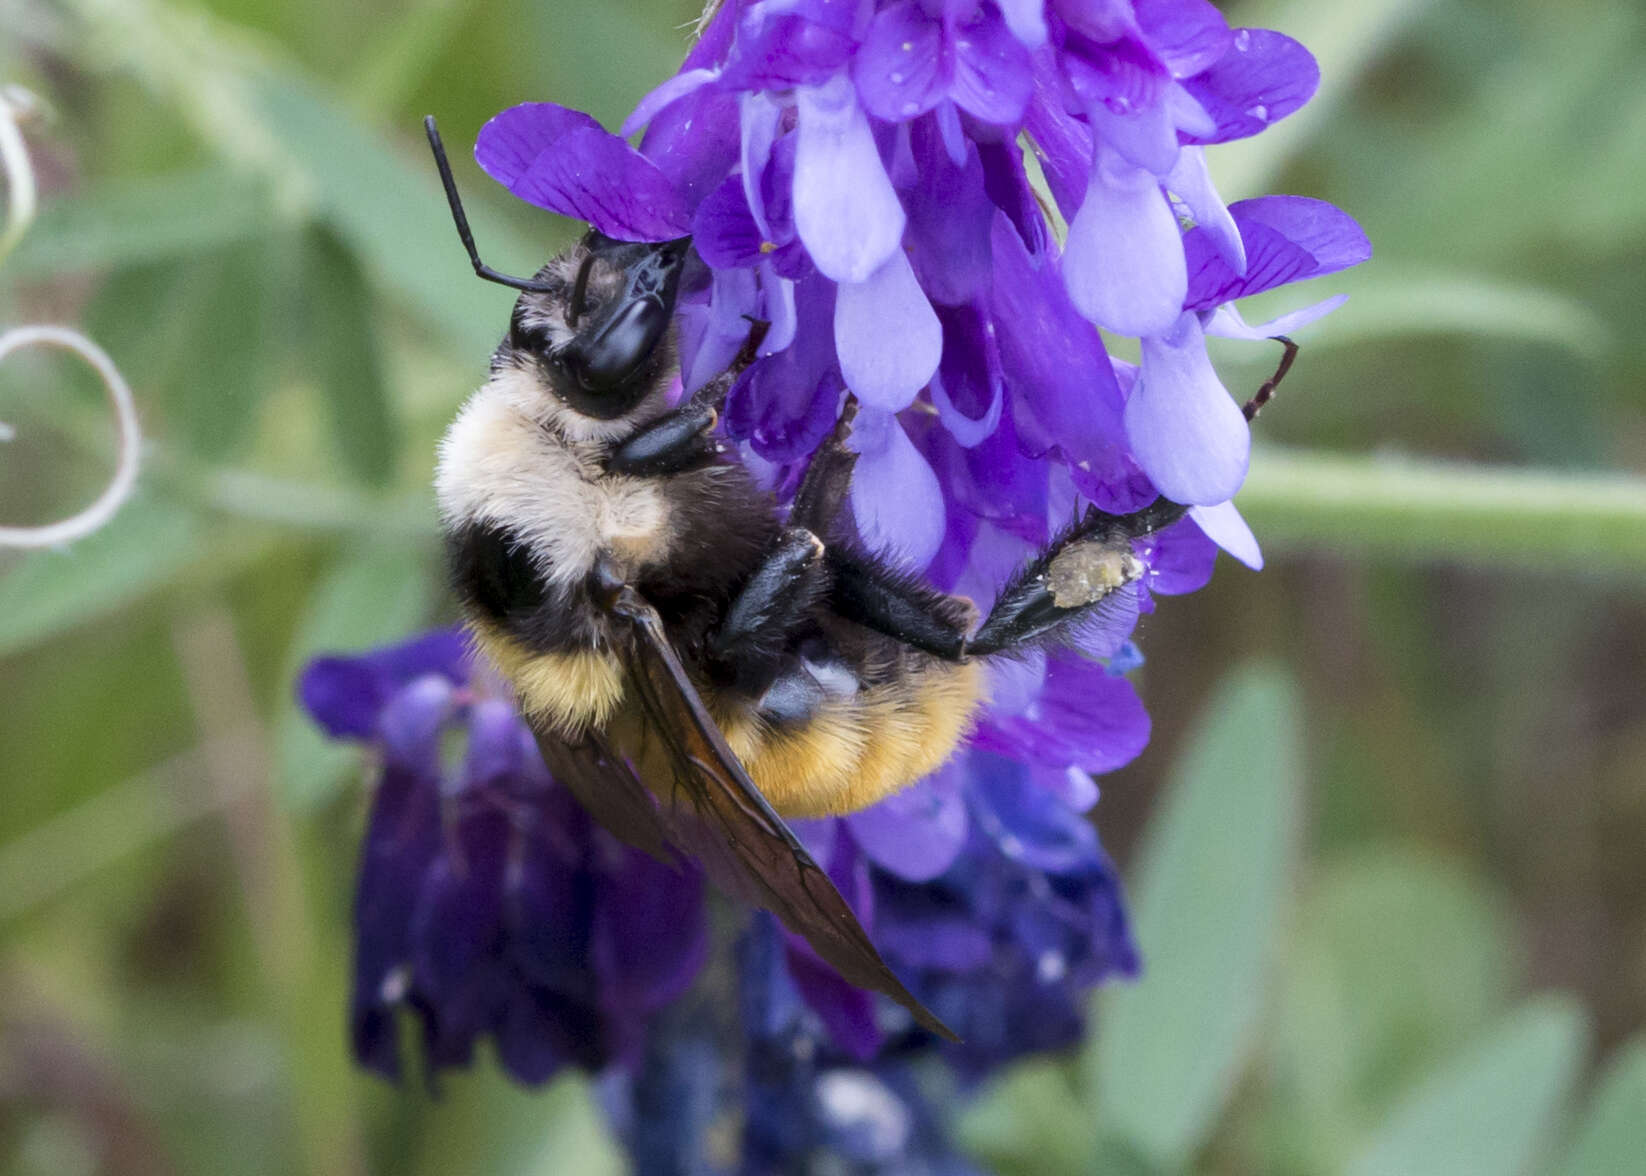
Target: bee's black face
column 619, row 313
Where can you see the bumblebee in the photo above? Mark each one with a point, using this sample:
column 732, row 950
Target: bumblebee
column 696, row 664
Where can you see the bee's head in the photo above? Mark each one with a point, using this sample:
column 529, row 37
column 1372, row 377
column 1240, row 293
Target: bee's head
column 599, row 336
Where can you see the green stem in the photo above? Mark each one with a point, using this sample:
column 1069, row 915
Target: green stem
column 1435, row 512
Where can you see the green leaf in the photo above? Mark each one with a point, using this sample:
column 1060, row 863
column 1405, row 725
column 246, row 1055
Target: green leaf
column 137, row 221
column 1210, row 895
column 46, row 592
column 1612, row 1136
column 1029, row 1121
column 200, row 345
column 340, row 347
column 368, row 598
column 1397, row 960
column 1489, row 1110
column 394, row 216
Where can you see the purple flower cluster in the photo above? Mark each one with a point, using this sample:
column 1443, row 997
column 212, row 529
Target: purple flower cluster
column 488, row 905
column 850, row 171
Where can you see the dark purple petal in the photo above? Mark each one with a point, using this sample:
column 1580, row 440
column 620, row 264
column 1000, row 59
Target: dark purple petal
column 1123, row 75
column 1180, row 559
column 1187, row 434
column 950, row 217
column 511, row 141
column 1287, row 239
column 902, row 68
column 459, row 912
column 581, row 170
column 344, row 694
column 775, row 52
column 1062, row 142
column 887, row 336
column 845, row 208
column 724, row 230
column 548, row 909
column 1261, row 79
column 993, row 75
column 1027, row 823
column 847, row 1012
column 1084, row 718
column 1007, row 184
column 895, row 496
column 1064, row 393
column 916, row 833
column 1188, row 35
column 967, row 389
column 685, row 82
column 649, row 936
column 695, row 142
column 1123, row 260
column 995, row 480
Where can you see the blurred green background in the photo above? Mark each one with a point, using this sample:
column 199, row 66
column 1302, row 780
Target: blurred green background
column 1388, row 847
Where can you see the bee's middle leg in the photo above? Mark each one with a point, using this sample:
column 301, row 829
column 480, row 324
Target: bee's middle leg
column 755, row 634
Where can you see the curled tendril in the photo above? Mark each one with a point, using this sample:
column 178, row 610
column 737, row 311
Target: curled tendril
column 131, row 439
column 16, row 106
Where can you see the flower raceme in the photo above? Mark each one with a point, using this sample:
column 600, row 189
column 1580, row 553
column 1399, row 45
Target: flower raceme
column 857, row 174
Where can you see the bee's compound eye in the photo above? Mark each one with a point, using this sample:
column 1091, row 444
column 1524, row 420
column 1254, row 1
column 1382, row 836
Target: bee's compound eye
column 619, row 348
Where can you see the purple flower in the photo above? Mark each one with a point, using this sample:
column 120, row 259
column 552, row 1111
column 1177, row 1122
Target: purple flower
column 487, row 904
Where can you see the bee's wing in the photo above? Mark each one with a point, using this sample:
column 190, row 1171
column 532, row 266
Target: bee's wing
column 717, row 813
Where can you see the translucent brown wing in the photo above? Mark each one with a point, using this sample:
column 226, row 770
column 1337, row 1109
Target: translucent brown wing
column 717, row 814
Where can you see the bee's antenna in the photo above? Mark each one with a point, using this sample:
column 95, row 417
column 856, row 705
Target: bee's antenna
column 481, row 269
column 1255, row 405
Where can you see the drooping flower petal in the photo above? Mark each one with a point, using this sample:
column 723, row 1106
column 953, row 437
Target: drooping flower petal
column 916, row 833
column 1188, row 35
column 1192, row 183
column 1026, row 19
column 895, row 496
column 1186, row 432
column 1181, row 558
column 1084, row 717
column 1123, row 261
column 845, row 208
column 888, row 337
column 1227, row 323
column 1223, row 525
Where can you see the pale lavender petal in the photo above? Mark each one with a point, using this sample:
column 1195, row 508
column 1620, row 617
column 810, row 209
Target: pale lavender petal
column 1026, row 19
column 1123, row 261
column 1264, row 77
column 993, row 74
column 1085, row 717
column 951, row 132
column 895, row 495
column 950, row 219
column 760, row 117
column 917, row 833
column 1062, row 143
column 1227, row 323
column 732, row 295
column 1287, row 239
column 1189, row 35
column 667, row 94
column 1224, row 526
column 845, row 208
column 1071, row 786
column 594, row 176
column 780, row 311
column 1015, row 682
column 899, row 68
column 1185, row 431
column 887, row 336
column 1193, row 185
column 1146, row 137
column 967, row 389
